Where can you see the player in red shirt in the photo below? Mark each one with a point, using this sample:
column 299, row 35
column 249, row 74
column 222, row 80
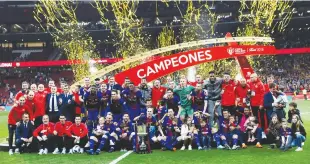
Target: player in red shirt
column 40, row 97
column 60, row 132
column 24, row 91
column 44, row 134
column 157, row 93
column 77, row 136
column 228, row 94
column 257, row 99
column 14, row 117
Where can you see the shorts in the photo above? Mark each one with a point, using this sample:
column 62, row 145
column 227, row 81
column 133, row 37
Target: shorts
column 186, row 110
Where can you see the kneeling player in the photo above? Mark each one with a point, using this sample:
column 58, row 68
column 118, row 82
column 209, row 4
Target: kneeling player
column 126, row 132
column 44, row 134
column 77, row 136
column 150, row 121
column 111, row 132
column 170, row 126
column 99, row 135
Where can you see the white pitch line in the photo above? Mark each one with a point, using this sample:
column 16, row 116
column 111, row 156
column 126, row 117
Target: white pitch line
column 121, row 157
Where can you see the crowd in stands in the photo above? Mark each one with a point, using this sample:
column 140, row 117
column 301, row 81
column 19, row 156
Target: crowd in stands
column 216, row 112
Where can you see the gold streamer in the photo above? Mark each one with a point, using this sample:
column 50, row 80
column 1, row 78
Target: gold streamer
column 69, row 35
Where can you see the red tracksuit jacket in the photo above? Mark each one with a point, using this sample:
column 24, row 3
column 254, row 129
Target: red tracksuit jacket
column 16, row 114
column 157, row 94
column 32, row 106
column 259, row 90
column 241, row 93
column 77, row 130
column 62, row 129
column 41, row 102
column 48, row 127
column 228, row 97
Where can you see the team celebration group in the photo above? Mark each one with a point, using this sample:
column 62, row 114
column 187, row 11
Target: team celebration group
column 217, row 113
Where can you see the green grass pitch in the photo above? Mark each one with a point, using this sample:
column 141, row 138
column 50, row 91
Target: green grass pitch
column 246, row 156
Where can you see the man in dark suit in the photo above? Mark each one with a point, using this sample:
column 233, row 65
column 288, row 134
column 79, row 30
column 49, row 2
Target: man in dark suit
column 53, row 104
column 269, row 100
column 67, row 108
column 24, row 135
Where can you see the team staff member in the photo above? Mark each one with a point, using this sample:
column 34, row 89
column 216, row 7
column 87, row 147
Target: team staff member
column 24, row 136
column 14, row 117
column 44, row 134
column 23, row 92
column 60, row 132
column 257, row 98
column 31, row 103
column 40, row 96
column 228, row 94
column 53, row 105
column 157, row 93
column 77, row 135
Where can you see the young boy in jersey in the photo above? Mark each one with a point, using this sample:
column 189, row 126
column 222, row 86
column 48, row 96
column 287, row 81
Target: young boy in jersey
column 99, row 136
column 286, row 136
column 44, row 134
column 234, row 131
column 204, row 136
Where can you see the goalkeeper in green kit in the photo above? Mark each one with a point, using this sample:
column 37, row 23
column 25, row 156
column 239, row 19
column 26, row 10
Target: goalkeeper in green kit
column 185, row 93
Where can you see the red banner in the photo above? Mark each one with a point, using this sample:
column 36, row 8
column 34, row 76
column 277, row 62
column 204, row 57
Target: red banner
column 56, row 63
column 243, row 62
column 169, row 64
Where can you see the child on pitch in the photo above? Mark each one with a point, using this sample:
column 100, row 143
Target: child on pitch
column 202, row 132
column 251, row 126
column 203, row 136
column 187, row 130
column 234, row 132
column 298, row 133
column 99, row 136
column 273, row 132
column 292, row 111
column 286, row 136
